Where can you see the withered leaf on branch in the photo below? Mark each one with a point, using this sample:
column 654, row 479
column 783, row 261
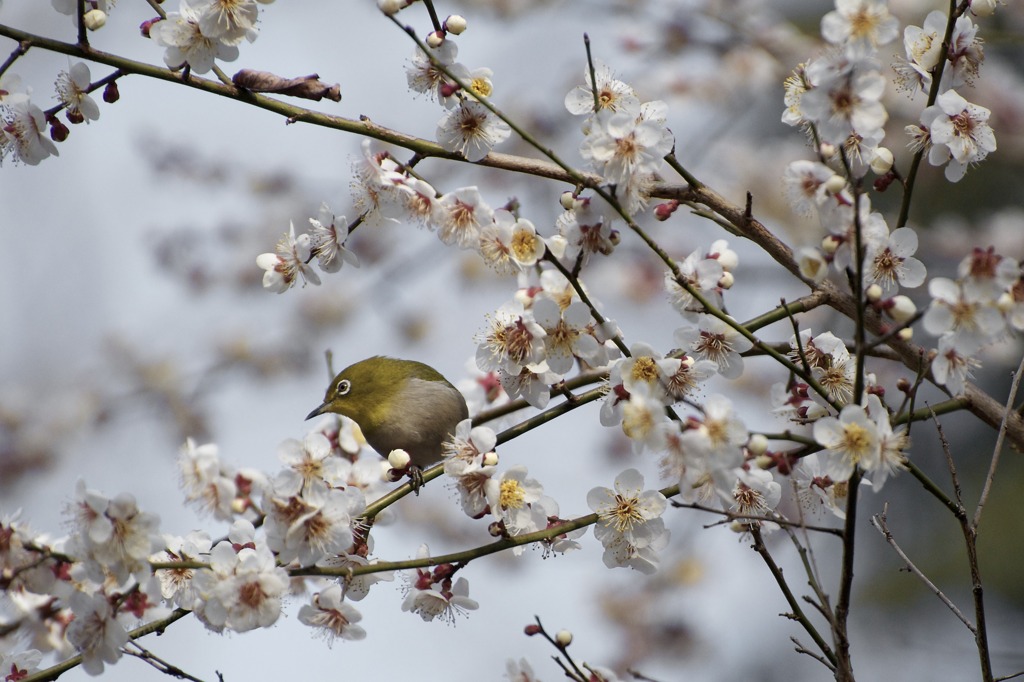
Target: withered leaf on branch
column 306, row 87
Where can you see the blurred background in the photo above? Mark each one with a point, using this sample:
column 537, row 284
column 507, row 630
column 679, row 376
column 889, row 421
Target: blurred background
column 132, row 317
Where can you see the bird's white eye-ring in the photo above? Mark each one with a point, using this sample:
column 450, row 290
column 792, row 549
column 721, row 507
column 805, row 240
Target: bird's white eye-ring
column 343, row 388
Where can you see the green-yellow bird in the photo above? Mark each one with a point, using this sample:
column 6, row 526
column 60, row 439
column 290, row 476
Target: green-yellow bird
column 398, row 404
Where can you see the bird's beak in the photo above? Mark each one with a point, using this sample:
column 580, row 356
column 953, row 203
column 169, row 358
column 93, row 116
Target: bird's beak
column 317, row 412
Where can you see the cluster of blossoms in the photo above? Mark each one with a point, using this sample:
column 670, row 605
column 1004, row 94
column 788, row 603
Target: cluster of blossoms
column 515, row 501
column 202, row 31
column 838, row 98
column 467, row 126
column 624, row 141
column 981, row 306
column 86, row 591
column 27, row 133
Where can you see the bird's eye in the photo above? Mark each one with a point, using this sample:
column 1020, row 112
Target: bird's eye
column 343, row 388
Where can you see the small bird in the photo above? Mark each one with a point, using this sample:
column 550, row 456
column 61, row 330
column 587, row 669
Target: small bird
column 398, row 404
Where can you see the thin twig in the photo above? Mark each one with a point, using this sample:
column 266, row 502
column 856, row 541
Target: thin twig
column 878, row 521
column 794, row 605
column 990, row 477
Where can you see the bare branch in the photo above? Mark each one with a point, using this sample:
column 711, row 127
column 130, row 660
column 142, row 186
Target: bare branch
column 878, row 521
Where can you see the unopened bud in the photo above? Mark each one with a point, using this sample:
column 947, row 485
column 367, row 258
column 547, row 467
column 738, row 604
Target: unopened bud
column 983, row 8
column 110, row 93
column 1005, row 302
column 95, row 19
column 531, row 630
column 58, row 131
column 399, row 459
column 455, row 24
column 563, row 638
column 835, row 184
column 831, row 244
column 873, row 293
column 557, row 245
column 75, row 117
column 882, row 183
column 881, row 162
column 827, row 149
column 757, row 444
column 390, row 7
column 567, row 200
column 764, row 461
column 435, row 39
column 902, row 308
column 448, row 89
column 903, row 385
column 664, row 211
column 906, row 334
column 726, row 280
column 728, row 259
column 490, row 459
column 145, row 26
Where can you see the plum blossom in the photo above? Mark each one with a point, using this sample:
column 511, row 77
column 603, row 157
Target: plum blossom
column 955, row 132
column 335, row 617
column 890, row 263
column 289, row 264
column 472, row 130
column 72, row 90
column 850, row 441
column 182, row 35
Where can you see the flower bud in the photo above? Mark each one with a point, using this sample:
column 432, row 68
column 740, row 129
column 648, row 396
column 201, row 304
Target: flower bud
column 399, row 459
column 881, row 162
column 726, row 280
column 902, row 308
column 435, row 39
column 831, row 244
column 490, row 459
column 882, row 183
column 1005, row 302
column 58, row 131
column 75, row 117
column 663, row 212
column 563, row 638
column 983, row 8
column 110, row 93
column 557, row 245
column 827, row 149
column 725, row 256
column 873, row 293
column 390, row 7
column 906, row 334
column 148, row 24
column 455, row 24
column 531, row 630
column 567, row 200
column 95, row 19
column 835, row 184
column 757, row 444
